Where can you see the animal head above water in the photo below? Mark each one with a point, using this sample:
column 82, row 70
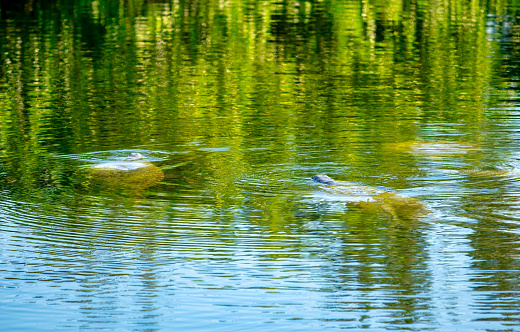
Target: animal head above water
column 135, row 156
column 323, row 179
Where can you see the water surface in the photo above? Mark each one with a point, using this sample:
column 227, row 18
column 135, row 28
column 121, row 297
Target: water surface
column 239, row 104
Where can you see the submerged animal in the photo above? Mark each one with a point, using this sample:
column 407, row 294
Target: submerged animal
column 433, row 149
column 129, row 164
column 370, row 198
column 134, row 172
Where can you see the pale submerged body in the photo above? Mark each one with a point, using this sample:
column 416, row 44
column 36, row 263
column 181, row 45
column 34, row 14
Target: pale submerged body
column 133, row 172
column 122, row 166
column 349, row 190
column 129, row 164
column 370, row 198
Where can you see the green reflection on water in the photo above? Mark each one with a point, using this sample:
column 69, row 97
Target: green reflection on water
column 248, row 100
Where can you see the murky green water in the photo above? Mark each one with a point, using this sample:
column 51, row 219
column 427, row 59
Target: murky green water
column 237, row 104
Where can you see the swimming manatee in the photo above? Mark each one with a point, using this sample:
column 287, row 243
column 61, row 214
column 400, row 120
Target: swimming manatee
column 133, row 173
column 397, row 206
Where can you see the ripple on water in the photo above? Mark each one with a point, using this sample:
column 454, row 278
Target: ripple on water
column 154, row 256
column 117, row 155
column 107, row 254
column 104, row 227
